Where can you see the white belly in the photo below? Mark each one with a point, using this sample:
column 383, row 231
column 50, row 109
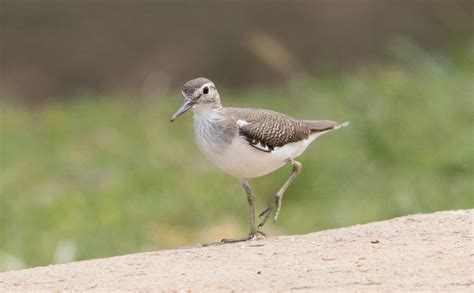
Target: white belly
column 241, row 160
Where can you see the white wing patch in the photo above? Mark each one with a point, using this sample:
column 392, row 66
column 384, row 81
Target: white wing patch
column 261, row 146
column 242, row 123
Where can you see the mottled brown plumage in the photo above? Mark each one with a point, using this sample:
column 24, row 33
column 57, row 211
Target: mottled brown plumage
column 268, row 127
column 273, row 129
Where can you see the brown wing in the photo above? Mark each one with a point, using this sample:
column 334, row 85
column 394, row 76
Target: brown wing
column 265, row 129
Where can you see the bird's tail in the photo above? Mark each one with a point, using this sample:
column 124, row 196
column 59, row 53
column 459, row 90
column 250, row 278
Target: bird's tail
column 323, row 126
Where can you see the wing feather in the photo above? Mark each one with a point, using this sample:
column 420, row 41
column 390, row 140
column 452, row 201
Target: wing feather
column 265, row 130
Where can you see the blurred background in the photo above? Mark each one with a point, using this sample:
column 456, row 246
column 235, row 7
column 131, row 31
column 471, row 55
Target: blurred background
column 91, row 167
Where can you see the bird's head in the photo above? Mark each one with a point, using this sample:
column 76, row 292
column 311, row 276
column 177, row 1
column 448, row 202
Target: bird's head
column 199, row 93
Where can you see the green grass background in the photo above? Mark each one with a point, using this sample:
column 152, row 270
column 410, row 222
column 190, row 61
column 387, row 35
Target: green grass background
column 92, row 176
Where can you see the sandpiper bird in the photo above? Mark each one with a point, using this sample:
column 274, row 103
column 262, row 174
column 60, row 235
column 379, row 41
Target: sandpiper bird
column 248, row 143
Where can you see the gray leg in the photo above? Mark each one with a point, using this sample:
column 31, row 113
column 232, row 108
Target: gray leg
column 279, row 195
column 251, row 200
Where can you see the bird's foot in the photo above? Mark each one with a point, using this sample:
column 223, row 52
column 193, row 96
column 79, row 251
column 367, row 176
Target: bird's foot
column 265, row 214
column 251, row 236
column 268, row 211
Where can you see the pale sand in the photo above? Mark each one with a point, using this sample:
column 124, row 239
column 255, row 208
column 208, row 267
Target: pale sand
column 418, row 252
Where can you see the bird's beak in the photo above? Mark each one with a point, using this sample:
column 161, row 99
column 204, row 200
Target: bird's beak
column 183, row 109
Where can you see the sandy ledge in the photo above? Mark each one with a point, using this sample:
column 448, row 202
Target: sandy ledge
column 417, row 252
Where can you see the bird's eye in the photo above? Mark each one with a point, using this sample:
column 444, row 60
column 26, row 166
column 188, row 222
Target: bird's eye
column 205, row 90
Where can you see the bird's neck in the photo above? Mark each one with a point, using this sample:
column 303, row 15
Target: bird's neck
column 208, row 111
column 212, row 127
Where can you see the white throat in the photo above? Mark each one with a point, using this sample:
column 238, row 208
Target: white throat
column 202, row 111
